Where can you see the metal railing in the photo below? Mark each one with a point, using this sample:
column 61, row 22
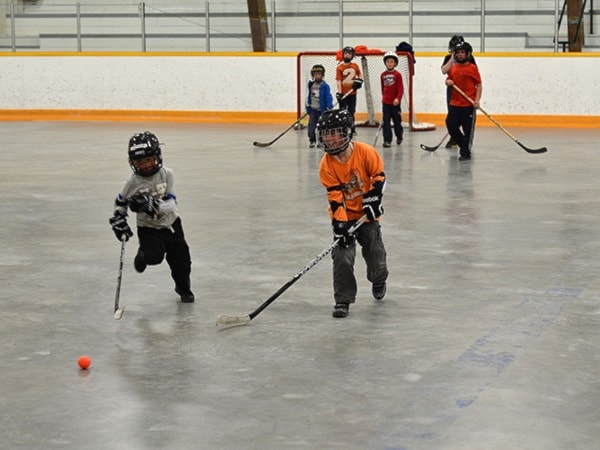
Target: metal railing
column 314, row 25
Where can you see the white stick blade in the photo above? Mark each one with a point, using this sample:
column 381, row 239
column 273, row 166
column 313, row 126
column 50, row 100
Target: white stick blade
column 119, row 313
column 230, row 321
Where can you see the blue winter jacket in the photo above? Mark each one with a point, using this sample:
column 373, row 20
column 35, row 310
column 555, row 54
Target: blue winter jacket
column 325, row 98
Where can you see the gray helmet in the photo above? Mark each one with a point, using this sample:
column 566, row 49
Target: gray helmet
column 142, row 146
column 336, row 122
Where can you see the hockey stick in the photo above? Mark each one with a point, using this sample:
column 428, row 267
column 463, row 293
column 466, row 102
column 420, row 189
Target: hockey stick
column 527, row 149
column 433, row 149
column 378, row 131
column 119, row 311
column 268, row 144
column 234, row 321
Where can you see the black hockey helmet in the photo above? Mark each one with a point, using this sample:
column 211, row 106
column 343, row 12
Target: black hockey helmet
column 349, row 50
column 317, row 68
column 142, row 146
column 334, row 130
column 464, row 46
column 455, row 40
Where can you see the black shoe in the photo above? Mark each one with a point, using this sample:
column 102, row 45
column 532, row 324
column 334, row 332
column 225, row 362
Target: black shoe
column 139, row 263
column 464, row 158
column 450, row 143
column 387, row 144
column 340, row 310
column 186, row 297
column 312, row 144
column 379, row 291
column 399, row 141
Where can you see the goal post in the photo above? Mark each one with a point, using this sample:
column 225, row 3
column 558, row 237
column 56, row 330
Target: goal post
column 368, row 98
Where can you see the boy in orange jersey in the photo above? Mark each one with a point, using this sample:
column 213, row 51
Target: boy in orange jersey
column 349, row 79
column 461, row 113
column 352, row 173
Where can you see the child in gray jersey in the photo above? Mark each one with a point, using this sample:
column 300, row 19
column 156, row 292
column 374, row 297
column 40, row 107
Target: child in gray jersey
column 149, row 192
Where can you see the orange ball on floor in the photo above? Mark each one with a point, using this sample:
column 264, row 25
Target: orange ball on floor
column 84, row 361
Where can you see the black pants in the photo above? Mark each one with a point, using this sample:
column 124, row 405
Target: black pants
column 349, row 103
column 460, row 123
column 391, row 113
column 374, row 254
column 313, row 119
column 156, row 244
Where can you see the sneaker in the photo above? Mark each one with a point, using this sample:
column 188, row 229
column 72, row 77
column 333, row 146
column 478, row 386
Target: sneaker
column 464, row 158
column 450, row 143
column 186, row 297
column 399, row 141
column 312, row 145
column 387, row 144
column 379, row 291
column 139, row 263
column 340, row 310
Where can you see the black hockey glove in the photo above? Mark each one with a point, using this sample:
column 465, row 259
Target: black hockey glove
column 144, row 203
column 339, row 97
column 372, row 204
column 340, row 231
column 120, row 227
column 357, row 84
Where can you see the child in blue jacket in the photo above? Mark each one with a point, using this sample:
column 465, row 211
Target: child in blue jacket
column 318, row 101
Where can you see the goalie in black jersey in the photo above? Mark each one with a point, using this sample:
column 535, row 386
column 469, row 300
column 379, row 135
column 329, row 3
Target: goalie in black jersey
column 149, row 192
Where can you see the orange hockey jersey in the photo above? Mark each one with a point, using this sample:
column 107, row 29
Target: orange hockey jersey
column 346, row 182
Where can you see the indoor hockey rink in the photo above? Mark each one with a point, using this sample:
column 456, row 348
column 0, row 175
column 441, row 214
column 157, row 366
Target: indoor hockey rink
column 488, row 337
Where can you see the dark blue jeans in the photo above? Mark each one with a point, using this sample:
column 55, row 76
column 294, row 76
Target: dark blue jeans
column 391, row 113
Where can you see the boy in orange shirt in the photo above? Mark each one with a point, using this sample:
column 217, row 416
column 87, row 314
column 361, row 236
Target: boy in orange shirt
column 349, row 79
column 460, row 120
column 352, row 173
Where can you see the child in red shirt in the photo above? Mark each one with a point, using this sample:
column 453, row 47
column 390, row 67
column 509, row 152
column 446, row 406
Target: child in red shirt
column 392, row 89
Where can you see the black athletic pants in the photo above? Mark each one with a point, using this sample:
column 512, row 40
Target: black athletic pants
column 349, row 103
column 460, row 123
column 156, row 244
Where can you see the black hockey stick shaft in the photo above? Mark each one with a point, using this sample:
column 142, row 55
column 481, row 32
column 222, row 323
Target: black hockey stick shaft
column 119, row 312
column 268, row 144
column 306, row 268
column 229, row 321
column 433, row 149
column 527, row 149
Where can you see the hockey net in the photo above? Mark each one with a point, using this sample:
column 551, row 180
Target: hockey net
column 368, row 98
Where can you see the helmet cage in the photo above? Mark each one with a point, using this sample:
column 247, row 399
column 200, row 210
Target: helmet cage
column 334, row 130
column 142, row 146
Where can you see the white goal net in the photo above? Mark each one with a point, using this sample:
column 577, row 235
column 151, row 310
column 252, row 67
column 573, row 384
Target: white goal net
column 368, row 99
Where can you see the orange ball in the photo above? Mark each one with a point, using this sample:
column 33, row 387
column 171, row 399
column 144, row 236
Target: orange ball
column 84, row 361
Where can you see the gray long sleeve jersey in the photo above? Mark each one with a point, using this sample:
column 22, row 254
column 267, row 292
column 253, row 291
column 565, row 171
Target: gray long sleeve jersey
column 161, row 186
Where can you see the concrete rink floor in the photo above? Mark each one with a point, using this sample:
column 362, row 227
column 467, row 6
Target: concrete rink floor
column 488, row 337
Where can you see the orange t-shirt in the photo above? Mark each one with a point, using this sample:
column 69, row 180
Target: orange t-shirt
column 347, row 73
column 346, row 182
column 466, row 77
